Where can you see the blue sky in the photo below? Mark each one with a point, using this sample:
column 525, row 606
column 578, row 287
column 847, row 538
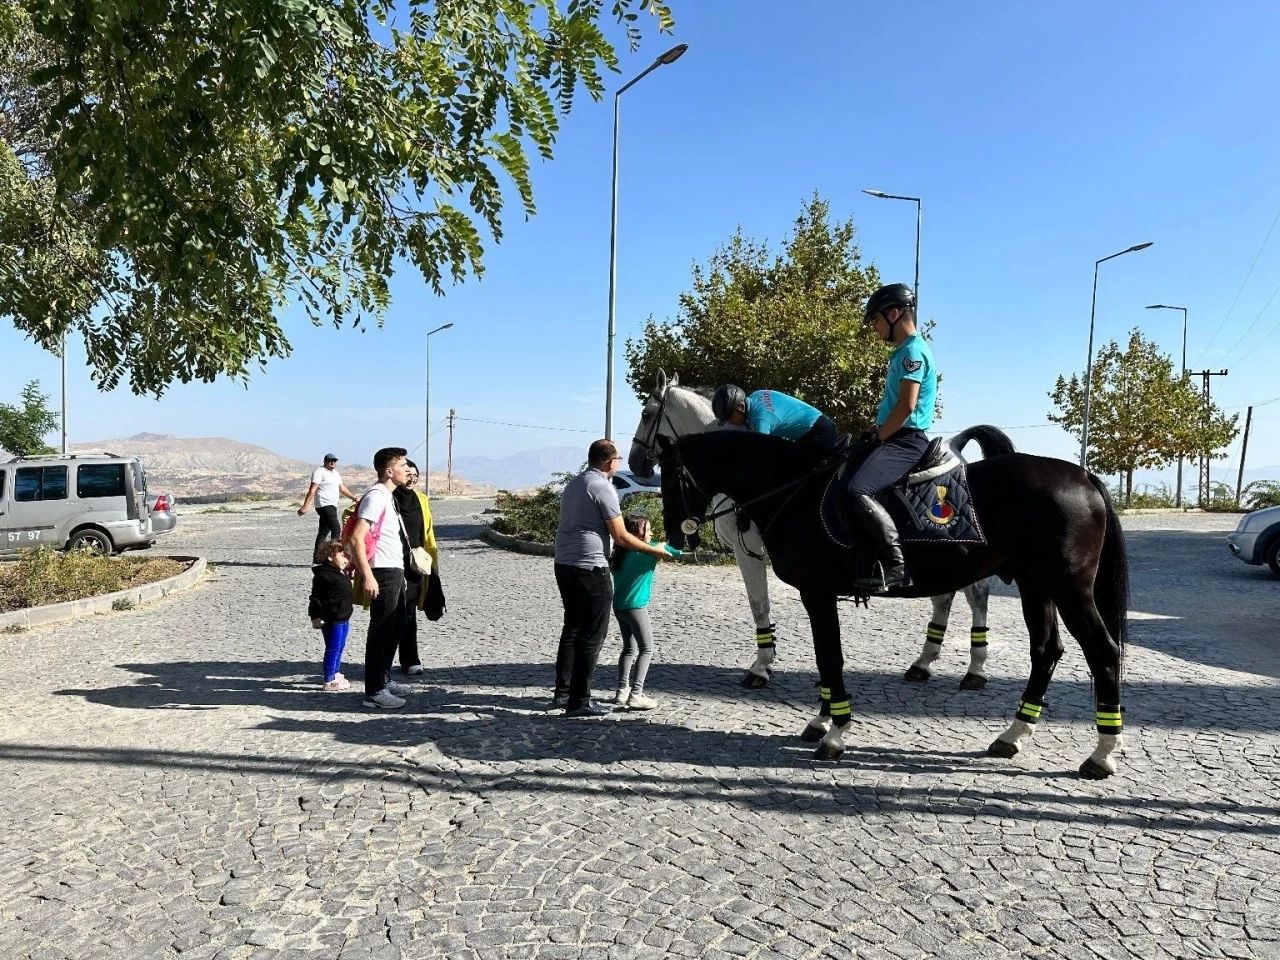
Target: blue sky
column 1041, row 137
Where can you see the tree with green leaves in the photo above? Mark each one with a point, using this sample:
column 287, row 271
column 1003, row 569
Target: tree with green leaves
column 23, row 428
column 173, row 175
column 1141, row 415
column 790, row 321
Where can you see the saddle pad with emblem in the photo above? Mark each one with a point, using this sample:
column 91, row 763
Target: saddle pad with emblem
column 939, row 510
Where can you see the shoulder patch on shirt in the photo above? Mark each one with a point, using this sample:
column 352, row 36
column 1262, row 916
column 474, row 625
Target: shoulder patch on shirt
column 911, row 366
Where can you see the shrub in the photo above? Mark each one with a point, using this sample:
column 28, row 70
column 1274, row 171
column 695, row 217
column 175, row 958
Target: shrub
column 1261, row 493
column 44, row 575
column 122, row 603
column 535, row 516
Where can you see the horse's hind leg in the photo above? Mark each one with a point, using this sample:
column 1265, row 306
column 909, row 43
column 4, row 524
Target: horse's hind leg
column 979, row 595
column 1103, row 656
column 833, row 714
column 748, row 550
column 1046, row 650
column 922, row 669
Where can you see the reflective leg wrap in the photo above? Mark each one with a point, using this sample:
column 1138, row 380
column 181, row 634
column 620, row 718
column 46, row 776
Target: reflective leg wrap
column 1029, row 711
column 766, row 652
column 936, row 632
column 1110, row 719
column 840, row 712
column 978, row 652
column 824, row 710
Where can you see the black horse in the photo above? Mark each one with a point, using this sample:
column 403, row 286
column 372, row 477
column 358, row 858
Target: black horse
column 1050, row 527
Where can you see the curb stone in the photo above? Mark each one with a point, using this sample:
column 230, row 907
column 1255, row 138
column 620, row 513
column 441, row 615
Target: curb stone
column 508, row 542
column 91, row 606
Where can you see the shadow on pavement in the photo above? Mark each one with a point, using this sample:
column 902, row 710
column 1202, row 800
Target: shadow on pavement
column 764, row 793
column 293, row 686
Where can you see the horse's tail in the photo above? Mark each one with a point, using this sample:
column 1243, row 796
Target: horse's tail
column 993, row 441
column 1111, row 588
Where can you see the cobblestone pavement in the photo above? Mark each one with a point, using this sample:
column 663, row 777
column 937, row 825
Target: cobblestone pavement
column 174, row 783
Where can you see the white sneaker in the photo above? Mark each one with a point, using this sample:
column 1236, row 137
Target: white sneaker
column 638, row 701
column 622, row 694
column 384, row 699
column 416, row 670
column 399, row 689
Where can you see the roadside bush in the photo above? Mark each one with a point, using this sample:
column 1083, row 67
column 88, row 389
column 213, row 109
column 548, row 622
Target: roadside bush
column 535, row 516
column 1261, row 493
column 44, row 575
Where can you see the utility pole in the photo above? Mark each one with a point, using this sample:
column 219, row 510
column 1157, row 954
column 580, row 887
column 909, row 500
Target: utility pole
column 1204, row 457
column 1244, row 448
column 453, row 416
column 64, row 394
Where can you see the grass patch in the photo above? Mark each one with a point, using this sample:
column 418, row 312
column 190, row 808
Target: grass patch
column 44, row 575
column 14, row 628
column 122, row 603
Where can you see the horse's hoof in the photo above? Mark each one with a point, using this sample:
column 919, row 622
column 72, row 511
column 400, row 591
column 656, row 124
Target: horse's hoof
column 916, row 674
column 812, row 734
column 753, row 681
column 1092, row 770
column 827, row 753
column 973, row 681
column 1003, row 749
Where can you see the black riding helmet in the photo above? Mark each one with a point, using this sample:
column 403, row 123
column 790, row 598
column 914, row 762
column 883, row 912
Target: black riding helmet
column 886, row 298
column 726, row 401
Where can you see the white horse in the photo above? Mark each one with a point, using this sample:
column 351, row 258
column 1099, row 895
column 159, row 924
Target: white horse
column 672, row 411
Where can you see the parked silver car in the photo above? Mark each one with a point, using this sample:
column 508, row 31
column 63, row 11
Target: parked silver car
column 162, row 508
column 82, row 501
column 1256, row 539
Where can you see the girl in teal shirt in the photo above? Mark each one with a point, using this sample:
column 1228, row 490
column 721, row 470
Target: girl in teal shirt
column 632, row 585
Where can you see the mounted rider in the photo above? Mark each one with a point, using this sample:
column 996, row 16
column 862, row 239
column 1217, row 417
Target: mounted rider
column 905, row 413
column 769, row 411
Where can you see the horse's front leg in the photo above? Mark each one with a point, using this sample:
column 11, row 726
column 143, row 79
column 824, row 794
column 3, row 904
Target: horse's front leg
column 833, row 712
column 1046, row 650
column 748, row 550
column 922, row 669
column 979, row 597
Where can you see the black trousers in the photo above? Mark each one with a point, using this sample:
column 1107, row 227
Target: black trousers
column 587, row 596
column 330, row 529
column 409, row 635
column 386, row 624
column 823, row 436
column 888, row 463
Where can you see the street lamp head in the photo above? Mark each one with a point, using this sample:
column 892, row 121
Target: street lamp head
column 672, row 55
column 446, row 326
column 875, row 193
column 1139, row 246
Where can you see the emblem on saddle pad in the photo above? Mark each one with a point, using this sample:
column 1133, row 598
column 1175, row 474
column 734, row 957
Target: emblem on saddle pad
column 941, row 512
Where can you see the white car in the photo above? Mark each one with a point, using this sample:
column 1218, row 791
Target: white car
column 1257, row 539
column 627, row 483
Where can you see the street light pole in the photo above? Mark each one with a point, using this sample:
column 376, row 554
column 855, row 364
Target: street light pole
column 1177, row 502
column 1088, row 367
column 426, row 451
column 919, row 214
column 671, row 56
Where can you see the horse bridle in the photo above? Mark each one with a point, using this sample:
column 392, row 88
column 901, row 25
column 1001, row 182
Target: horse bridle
column 650, row 446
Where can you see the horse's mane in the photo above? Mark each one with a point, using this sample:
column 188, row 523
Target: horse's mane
column 706, row 393
column 764, row 449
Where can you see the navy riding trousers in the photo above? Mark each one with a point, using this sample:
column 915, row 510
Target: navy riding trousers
column 888, row 463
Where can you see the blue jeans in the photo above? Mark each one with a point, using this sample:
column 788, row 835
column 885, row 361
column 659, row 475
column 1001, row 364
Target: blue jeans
column 335, row 641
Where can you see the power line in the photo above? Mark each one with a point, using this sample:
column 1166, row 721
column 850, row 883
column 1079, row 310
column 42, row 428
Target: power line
column 531, row 426
column 1240, row 291
column 1252, row 325
column 1248, row 352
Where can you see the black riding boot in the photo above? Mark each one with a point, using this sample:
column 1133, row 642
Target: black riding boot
column 878, row 525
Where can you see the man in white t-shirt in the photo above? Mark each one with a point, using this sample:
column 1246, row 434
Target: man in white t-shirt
column 382, row 577
column 326, row 487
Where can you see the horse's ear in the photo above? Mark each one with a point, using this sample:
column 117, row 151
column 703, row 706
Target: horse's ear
column 675, row 379
column 661, row 384
column 665, row 445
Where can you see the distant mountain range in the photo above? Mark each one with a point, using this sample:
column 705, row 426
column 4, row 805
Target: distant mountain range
column 198, row 467
column 528, row 468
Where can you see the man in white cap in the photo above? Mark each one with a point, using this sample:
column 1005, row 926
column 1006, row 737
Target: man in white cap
column 326, row 487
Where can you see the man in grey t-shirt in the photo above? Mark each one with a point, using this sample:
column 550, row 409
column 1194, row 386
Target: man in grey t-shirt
column 590, row 522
